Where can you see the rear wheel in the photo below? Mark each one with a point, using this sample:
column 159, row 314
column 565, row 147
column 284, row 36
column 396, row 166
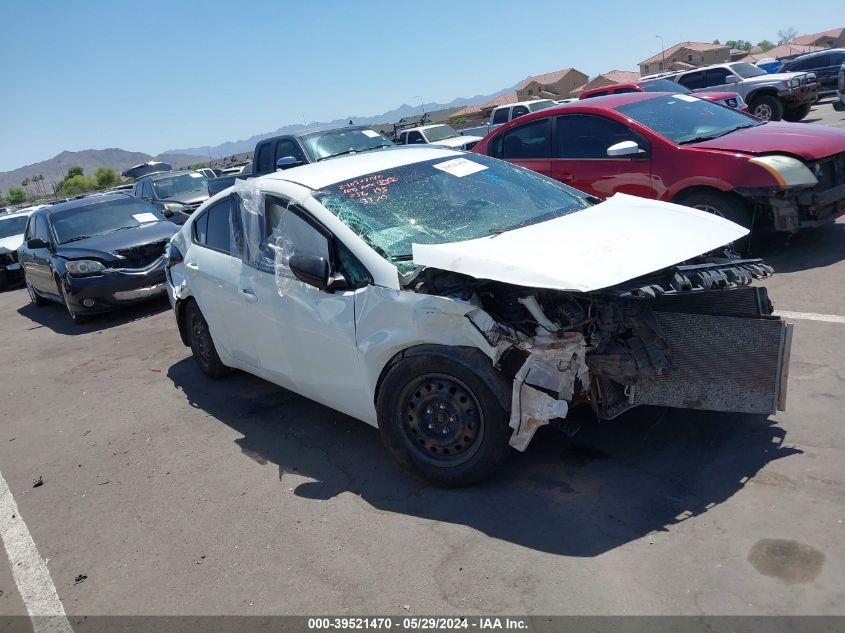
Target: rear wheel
column 767, row 107
column 202, row 345
column 796, row 114
column 441, row 419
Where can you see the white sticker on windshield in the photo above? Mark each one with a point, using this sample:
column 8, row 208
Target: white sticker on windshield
column 460, row 167
column 370, row 133
column 145, row 217
column 689, row 98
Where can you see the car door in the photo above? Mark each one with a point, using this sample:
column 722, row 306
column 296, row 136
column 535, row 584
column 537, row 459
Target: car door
column 213, row 272
column 305, row 337
column 416, row 138
column 38, row 267
column 693, row 81
column 528, row 145
column 717, row 79
column 580, row 159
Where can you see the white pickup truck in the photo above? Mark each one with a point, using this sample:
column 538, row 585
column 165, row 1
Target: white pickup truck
column 504, row 113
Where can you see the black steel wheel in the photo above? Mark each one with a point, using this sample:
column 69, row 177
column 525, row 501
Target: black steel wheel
column 443, row 414
column 202, row 345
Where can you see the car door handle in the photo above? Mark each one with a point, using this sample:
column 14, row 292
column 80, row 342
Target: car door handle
column 249, row 294
column 192, row 265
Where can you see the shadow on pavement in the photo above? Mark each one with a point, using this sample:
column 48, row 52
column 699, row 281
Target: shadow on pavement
column 55, row 317
column 815, row 248
column 609, row 485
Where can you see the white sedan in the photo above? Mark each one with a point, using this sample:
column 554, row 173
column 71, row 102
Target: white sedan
column 459, row 303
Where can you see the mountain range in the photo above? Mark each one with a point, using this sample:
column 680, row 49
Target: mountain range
column 56, row 168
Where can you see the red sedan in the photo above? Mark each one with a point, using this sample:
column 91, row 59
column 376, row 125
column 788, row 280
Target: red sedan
column 679, row 148
column 729, row 99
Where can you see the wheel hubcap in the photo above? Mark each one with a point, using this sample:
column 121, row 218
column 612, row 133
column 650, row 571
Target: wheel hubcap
column 201, row 342
column 442, row 419
column 763, row 111
column 710, row 209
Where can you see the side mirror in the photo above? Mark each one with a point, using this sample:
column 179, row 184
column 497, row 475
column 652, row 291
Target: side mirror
column 625, row 148
column 286, row 162
column 35, row 243
column 315, row 271
column 731, row 79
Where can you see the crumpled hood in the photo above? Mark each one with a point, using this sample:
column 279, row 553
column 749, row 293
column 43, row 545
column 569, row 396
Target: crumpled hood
column 810, row 142
column 102, row 247
column 12, row 243
column 617, row 240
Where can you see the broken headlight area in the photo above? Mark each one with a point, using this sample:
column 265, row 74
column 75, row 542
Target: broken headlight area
column 695, row 336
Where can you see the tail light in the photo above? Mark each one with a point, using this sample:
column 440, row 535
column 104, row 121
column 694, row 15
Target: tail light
column 173, row 254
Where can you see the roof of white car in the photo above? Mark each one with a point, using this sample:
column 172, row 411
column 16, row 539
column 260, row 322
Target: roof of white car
column 328, row 172
column 518, row 103
column 28, row 211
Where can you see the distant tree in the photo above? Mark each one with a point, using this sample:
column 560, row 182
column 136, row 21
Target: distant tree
column 106, row 177
column 717, row 42
column 786, row 35
column 17, row 195
column 76, row 184
column 742, row 45
column 74, row 171
column 765, row 45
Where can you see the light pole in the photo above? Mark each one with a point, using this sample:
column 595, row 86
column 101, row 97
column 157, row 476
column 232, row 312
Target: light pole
column 662, row 53
column 422, row 105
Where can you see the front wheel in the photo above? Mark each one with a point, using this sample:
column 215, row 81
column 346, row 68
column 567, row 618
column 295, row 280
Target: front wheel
column 796, row 114
column 36, row 299
column 767, row 107
column 725, row 205
column 441, row 419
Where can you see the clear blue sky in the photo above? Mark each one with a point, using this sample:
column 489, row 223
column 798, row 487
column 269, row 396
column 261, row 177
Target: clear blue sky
column 154, row 75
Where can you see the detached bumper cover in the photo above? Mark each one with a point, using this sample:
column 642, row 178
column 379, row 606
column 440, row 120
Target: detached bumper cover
column 115, row 288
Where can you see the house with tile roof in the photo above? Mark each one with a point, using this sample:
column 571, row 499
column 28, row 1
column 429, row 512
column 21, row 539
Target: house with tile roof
column 483, row 110
column 609, row 78
column 835, row 38
column 685, row 55
column 782, row 51
column 556, row 85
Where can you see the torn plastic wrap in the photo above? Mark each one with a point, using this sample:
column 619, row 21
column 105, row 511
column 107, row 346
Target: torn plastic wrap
column 553, row 365
column 246, row 222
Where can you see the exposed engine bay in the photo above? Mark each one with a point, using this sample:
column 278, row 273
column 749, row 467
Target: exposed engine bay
column 695, row 336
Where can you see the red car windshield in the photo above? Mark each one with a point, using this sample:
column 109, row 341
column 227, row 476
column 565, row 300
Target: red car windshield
column 684, row 119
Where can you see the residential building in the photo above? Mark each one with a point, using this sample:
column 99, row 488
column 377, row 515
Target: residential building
column 835, row 38
column 684, row 56
column 607, row 79
column 783, row 51
column 556, row 85
column 483, row 110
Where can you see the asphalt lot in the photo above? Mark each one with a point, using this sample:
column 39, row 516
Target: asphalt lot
column 177, row 495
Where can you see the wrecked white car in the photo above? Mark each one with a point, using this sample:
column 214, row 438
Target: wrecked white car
column 458, row 302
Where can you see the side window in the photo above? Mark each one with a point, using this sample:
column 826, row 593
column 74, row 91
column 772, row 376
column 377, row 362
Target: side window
column 500, row 116
column 518, row 111
column 356, row 275
column 264, row 162
column 41, row 228
column 837, row 59
column 600, row 93
column 587, row 136
column 623, row 90
column 286, row 147
column 415, row 138
column 692, row 80
column 716, row 76
column 213, row 228
column 30, row 229
column 531, row 140
column 147, row 190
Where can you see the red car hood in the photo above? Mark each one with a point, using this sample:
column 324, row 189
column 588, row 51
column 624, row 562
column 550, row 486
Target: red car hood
column 807, row 141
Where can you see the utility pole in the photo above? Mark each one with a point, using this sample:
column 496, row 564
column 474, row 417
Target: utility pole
column 662, row 53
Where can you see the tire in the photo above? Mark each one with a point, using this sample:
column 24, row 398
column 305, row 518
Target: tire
column 766, row 107
column 441, row 415
column 726, row 205
column 202, row 345
column 76, row 317
column 36, row 299
column 798, row 113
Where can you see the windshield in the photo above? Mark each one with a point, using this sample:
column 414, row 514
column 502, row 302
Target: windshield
column 101, row 218
column 686, row 119
column 13, row 226
column 439, row 132
column 447, row 200
column 541, row 105
column 663, row 85
column 746, row 70
column 339, row 142
column 177, row 185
